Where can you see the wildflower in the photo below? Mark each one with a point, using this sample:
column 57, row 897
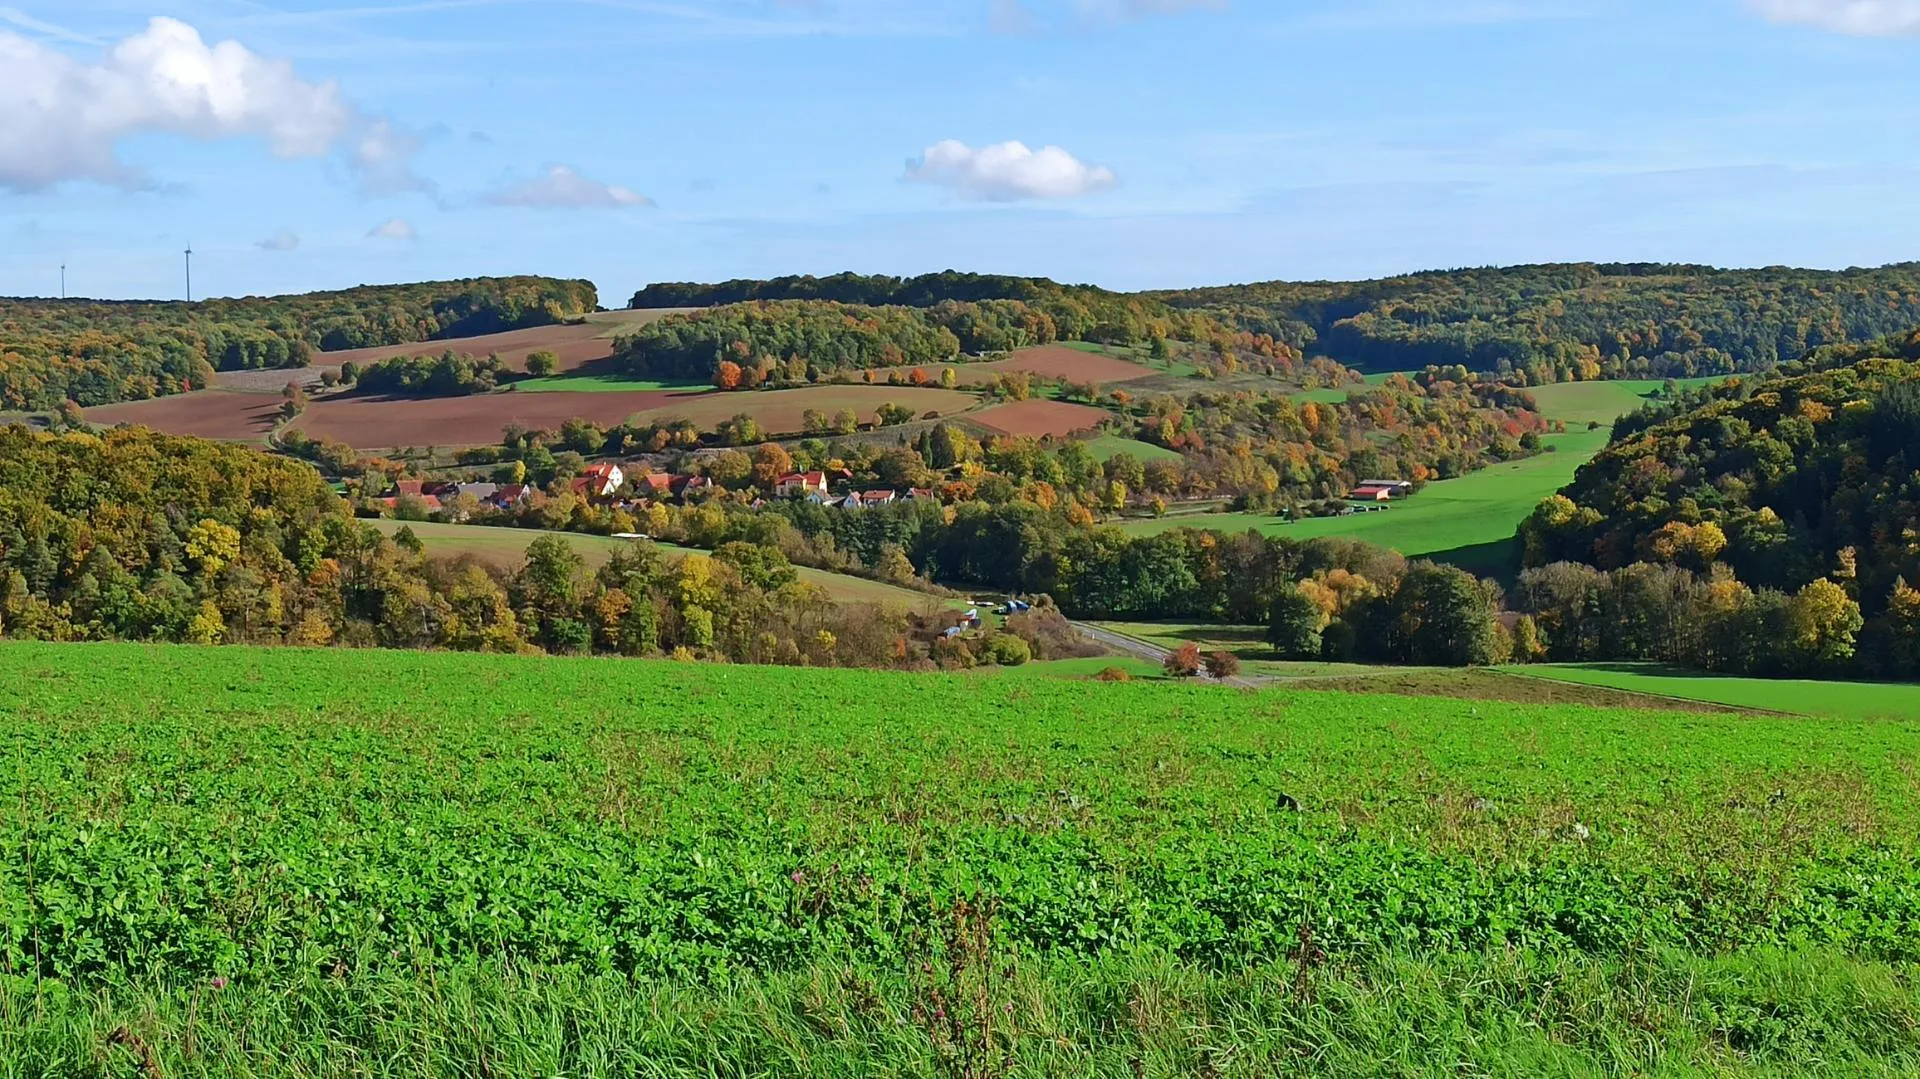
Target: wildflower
column 220, row 981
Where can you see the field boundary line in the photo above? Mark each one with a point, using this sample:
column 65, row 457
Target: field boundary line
column 1658, row 696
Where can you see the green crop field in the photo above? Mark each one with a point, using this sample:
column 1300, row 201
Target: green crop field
column 1469, row 520
column 1107, row 446
column 1074, row 668
column 1852, row 700
column 508, row 546
column 592, row 383
column 232, row 861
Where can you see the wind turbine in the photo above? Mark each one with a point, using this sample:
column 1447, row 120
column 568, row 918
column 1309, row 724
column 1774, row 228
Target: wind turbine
column 189, row 272
column 63, row 280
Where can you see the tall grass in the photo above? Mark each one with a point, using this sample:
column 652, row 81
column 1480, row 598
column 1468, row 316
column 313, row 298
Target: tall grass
column 1769, row 1013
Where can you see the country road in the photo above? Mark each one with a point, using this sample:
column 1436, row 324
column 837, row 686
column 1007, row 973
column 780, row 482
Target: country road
column 1152, row 653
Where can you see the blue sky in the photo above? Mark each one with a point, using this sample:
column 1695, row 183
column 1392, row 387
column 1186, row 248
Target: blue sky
column 301, row 145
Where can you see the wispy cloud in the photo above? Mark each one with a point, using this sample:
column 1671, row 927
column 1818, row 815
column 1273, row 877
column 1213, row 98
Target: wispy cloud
column 1024, row 17
column 395, row 228
column 563, row 188
column 1425, row 14
column 720, row 18
column 1865, row 18
column 279, row 241
column 16, row 17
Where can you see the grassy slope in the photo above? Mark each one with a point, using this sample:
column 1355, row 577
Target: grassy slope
column 507, row 547
column 1471, row 519
column 456, row 865
column 1108, row 445
column 1600, row 402
column 1849, row 700
column 1468, row 521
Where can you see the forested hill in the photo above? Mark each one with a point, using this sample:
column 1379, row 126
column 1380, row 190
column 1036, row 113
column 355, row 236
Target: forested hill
column 1785, row 480
column 873, row 290
column 93, row 352
column 810, row 326
column 1033, row 310
column 1555, row 323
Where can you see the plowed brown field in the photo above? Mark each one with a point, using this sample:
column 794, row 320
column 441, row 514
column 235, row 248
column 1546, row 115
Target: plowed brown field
column 575, row 345
column 1037, row 418
column 220, row 414
column 370, row 423
column 1045, row 362
column 1059, row 361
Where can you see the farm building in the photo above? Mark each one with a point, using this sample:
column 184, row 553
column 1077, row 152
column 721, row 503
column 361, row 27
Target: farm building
column 1400, row 488
column 603, row 479
column 802, row 483
column 1381, row 490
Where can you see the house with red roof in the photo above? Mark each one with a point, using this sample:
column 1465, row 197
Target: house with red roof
column 811, row 484
column 604, row 478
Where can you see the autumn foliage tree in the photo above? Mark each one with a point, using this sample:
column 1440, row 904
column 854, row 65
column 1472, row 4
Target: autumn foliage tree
column 1184, row 661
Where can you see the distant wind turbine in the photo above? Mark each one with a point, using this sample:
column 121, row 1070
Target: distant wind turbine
column 189, row 273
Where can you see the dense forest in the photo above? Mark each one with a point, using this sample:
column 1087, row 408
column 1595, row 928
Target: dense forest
column 808, row 325
column 1765, row 512
column 95, row 352
column 1556, row 323
column 806, row 340
column 1075, row 312
column 448, row 375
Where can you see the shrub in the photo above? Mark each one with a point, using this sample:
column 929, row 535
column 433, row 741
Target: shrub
column 1223, row 664
column 1008, row 650
column 1184, row 661
column 1112, row 674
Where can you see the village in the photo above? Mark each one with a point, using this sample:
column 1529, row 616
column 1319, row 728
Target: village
column 608, row 484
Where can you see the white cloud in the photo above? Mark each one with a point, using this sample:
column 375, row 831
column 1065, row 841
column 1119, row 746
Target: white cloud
column 63, row 119
column 1868, row 18
column 396, row 228
column 561, row 188
column 279, row 241
column 1009, row 171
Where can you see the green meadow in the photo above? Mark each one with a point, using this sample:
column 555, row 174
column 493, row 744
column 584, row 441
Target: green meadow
column 238, row 861
column 1469, row 520
column 1107, row 446
column 1842, row 700
column 1602, row 402
column 601, row 383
